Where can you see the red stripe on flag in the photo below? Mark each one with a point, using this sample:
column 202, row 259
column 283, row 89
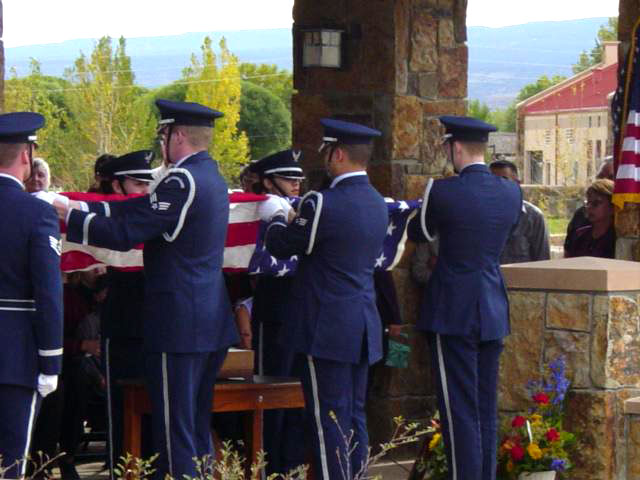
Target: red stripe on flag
column 242, row 233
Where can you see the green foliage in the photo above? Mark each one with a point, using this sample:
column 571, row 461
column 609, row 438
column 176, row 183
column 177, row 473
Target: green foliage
column 109, row 112
column 277, row 81
column 215, row 82
column 605, row 33
column 42, row 94
column 479, row 111
column 539, row 85
column 265, row 120
column 504, row 119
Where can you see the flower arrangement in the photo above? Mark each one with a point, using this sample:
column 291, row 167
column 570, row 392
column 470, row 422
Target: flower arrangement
column 432, row 461
column 536, row 442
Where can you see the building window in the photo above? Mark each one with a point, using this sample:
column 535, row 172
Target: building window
column 569, row 134
column 590, row 125
column 547, row 137
column 599, row 120
column 589, row 149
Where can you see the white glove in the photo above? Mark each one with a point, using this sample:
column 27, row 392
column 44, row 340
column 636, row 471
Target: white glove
column 272, row 207
column 51, row 197
column 47, row 384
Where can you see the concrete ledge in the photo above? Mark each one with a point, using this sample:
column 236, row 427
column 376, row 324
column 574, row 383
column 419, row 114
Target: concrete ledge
column 574, row 274
column 632, row 406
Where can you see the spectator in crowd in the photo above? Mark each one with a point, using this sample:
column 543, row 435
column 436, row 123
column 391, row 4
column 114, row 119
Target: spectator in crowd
column 598, row 238
column 579, row 218
column 248, row 178
column 40, row 178
column 99, row 179
column 529, row 241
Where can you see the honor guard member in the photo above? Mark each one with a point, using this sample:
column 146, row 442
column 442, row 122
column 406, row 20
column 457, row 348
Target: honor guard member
column 279, row 174
column 122, row 311
column 465, row 311
column 30, row 293
column 188, row 324
column 332, row 318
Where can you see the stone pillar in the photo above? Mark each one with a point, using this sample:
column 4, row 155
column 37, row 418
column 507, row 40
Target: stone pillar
column 406, row 63
column 628, row 220
column 586, row 309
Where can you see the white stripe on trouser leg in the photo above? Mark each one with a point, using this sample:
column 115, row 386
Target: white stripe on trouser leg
column 447, row 406
column 165, row 397
column 32, row 417
column 109, row 407
column 316, row 413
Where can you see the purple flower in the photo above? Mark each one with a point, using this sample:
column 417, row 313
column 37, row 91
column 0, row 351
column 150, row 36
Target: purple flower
column 558, row 464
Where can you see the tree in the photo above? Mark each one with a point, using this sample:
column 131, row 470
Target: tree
column 265, row 120
column 277, row 81
column 479, row 111
column 605, row 33
column 108, row 111
column 43, row 94
column 219, row 87
column 539, row 85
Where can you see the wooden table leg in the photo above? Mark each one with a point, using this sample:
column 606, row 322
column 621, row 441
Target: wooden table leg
column 132, row 425
column 256, row 434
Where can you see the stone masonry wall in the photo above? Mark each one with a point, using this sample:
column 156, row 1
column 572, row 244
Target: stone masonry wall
column 599, row 334
column 406, row 64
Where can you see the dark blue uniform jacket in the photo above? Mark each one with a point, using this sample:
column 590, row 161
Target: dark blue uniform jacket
column 183, row 224
column 473, row 215
column 338, row 233
column 30, row 287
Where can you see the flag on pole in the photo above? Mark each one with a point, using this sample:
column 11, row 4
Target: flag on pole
column 625, row 110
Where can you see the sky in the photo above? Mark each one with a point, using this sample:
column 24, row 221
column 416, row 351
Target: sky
column 32, row 22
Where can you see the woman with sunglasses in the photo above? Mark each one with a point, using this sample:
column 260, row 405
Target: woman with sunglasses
column 599, row 238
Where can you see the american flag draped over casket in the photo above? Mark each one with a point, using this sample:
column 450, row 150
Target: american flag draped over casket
column 244, row 248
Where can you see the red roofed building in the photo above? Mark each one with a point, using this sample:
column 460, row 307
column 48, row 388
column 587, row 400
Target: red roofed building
column 563, row 131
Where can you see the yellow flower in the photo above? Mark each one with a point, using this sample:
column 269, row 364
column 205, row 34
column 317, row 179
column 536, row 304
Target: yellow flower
column 509, row 466
column 536, row 419
column 534, row 451
column 434, row 441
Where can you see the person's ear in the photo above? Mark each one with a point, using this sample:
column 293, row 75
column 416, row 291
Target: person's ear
column 115, row 185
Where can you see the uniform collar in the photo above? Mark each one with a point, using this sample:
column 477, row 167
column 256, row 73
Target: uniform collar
column 6, row 175
column 474, row 167
column 183, row 159
column 339, row 178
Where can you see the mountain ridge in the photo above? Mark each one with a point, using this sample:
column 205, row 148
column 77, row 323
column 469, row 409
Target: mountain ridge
column 501, row 59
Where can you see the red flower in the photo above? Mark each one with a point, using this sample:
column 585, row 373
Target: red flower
column 517, row 453
column 552, row 435
column 518, row 421
column 541, row 398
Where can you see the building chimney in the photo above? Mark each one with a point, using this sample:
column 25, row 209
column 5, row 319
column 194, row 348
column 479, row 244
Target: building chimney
column 610, row 52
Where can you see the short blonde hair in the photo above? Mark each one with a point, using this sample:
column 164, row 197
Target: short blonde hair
column 198, row 137
column 602, row 186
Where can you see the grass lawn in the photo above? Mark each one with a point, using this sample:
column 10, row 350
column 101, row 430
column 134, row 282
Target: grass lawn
column 557, row 225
